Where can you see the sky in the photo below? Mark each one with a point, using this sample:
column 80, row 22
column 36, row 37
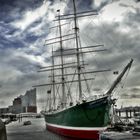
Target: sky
column 25, row 25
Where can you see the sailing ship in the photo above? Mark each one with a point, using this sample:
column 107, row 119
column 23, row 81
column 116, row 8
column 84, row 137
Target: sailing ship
column 84, row 117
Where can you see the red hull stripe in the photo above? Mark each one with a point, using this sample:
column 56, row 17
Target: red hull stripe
column 81, row 134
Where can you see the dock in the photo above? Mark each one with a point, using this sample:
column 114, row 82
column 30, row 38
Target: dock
column 127, row 112
column 119, row 136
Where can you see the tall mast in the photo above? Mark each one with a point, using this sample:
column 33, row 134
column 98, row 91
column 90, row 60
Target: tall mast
column 77, row 49
column 53, row 80
column 62, row 63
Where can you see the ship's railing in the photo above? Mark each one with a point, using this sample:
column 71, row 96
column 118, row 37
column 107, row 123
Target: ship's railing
column 95, row 97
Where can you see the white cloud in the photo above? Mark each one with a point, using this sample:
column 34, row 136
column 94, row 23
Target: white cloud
column 46, row 11
column 116, row 11
column 31, row 16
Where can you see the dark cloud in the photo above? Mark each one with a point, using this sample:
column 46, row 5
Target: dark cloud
column 7, row 5
column 10, row 11
column 7, row 29
column 84, row 5
column 6, row 43
column 30, row 38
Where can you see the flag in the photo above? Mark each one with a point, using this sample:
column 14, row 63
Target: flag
column 49, row 91
column 115, row 72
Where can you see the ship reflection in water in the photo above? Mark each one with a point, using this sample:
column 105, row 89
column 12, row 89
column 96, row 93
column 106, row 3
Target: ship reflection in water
column 36, row 130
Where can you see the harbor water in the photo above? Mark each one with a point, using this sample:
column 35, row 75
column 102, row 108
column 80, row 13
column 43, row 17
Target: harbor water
column 37, row 131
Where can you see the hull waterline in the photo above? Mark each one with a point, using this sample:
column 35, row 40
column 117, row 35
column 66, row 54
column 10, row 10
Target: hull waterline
column 75, row 132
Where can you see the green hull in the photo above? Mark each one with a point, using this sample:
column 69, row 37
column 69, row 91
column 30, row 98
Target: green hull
column 89, row 114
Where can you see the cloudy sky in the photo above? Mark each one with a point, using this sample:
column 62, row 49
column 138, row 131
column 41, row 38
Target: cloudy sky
column 24, row 27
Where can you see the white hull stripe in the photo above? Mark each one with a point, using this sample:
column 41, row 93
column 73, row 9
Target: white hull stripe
column 77, row 128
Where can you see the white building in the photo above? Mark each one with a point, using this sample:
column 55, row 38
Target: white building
column 29, row 99
column 25, row 103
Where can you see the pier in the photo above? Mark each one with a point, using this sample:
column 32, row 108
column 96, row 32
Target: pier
column 127, row 112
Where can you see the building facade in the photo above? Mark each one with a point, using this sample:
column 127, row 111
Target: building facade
column 22, row 104
column 17, row 105
column 29, row 101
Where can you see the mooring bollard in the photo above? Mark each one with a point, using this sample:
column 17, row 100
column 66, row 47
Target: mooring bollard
column 3, row 135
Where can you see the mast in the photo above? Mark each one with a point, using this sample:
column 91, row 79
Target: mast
column 62, row 63
column 53, row 80
column 116, row 82
column 77, row 49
